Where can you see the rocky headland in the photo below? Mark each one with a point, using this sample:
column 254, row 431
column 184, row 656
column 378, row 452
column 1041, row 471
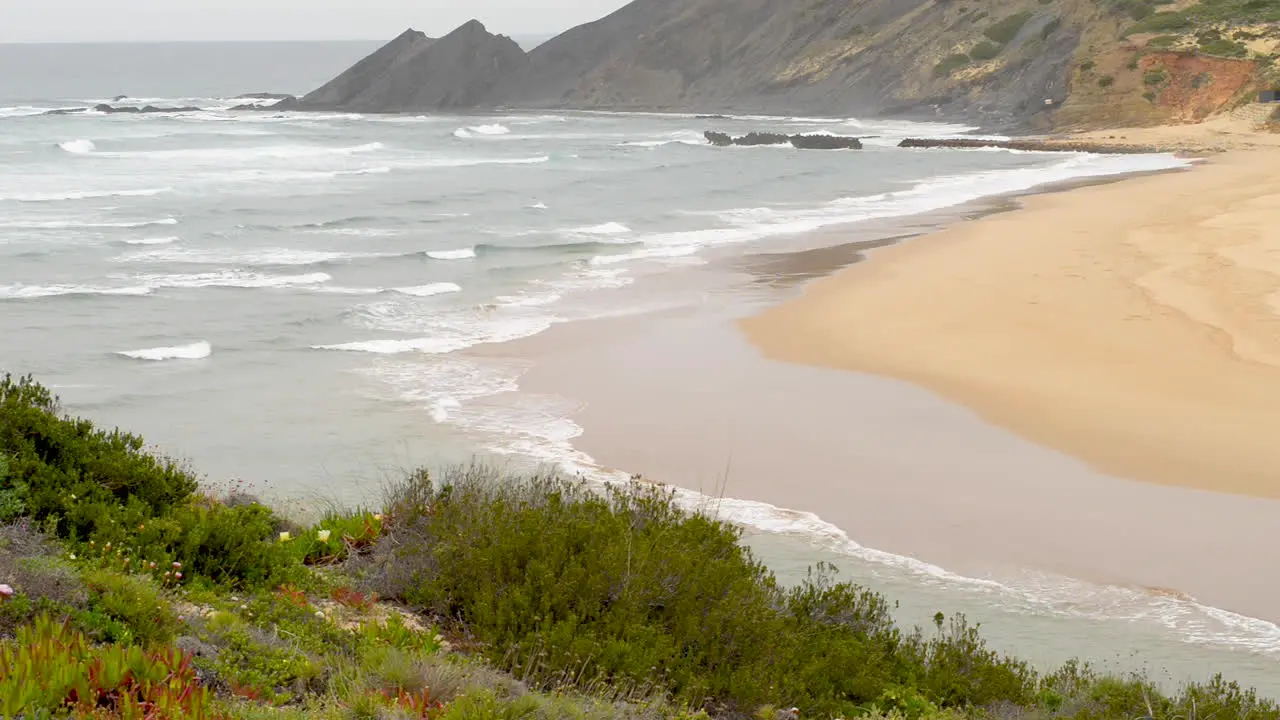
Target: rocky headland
column 1024, row 65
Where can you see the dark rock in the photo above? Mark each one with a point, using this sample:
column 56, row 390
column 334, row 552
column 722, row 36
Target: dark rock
column 144, row 110
column 119, row 98
column 1033, row 145
column 263, row 96
column 718, row 139
column 712, row 117
column 804, row 142
column 197, row 648
column 68, row 111
column 286, row 102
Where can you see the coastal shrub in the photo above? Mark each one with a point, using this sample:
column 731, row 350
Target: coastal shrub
column 68, row 471
column 567, row 584
column 122, row 505
column 1106, row 81
column 984, row 50
column 125, row 609
column 1005, row 30
column 1223, row 47
column 950, row 64
column 1161, row 22
column 1155, row 76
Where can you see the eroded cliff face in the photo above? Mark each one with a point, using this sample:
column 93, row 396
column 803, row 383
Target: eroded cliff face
column 1024, row 64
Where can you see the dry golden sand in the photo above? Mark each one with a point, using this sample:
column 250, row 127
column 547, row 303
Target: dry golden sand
column 1134, row 325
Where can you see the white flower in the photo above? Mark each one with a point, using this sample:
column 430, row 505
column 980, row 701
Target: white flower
column 73, row 556
column 323, row 536
column 285, row 537
column 5, row 592
column 320, row 614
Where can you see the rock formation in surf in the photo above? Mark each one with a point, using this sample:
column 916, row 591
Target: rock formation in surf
column 1021, row 63
column 803, row 142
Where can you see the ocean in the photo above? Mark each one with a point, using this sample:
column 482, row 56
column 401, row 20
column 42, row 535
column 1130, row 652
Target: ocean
column 293, row 299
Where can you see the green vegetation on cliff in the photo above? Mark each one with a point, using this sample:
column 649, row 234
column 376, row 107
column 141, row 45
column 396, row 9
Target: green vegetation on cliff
column 128, row 592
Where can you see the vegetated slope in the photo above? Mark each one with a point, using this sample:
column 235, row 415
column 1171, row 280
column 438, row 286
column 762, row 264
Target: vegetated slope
column 1022, row 63
column 1162, row 62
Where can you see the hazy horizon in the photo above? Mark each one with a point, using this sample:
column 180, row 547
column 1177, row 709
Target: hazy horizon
column 158, row 21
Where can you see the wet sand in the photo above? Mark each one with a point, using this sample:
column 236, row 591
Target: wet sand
column 1135, row 326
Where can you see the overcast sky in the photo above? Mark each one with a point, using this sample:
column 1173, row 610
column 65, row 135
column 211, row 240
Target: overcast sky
column 157, row 20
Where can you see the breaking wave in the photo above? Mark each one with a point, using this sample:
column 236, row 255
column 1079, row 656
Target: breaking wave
column 195, row 351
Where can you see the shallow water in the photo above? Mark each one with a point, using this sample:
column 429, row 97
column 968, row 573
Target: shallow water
column 287, row 298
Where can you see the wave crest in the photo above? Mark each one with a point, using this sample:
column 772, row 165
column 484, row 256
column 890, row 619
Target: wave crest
column 195, row 351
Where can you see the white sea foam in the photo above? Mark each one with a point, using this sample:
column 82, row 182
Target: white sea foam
column 443, row 385
column 232, row 279
column 246, row 154
column 609, row 228
column 265, row 257
column 482, row 131
column 70, row 224
column 459, row 254
column 78, row 147
column 752, row 224
column 152, row 240
column 82, row 195
column 194, row 351
column 538, row 206
column 682, row 137
column 440, row 288
column 474, row 162
column 32, row 292
column 22, row 111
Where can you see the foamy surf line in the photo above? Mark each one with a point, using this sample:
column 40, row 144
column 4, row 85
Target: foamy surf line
column 930, row 195
column 194, row 351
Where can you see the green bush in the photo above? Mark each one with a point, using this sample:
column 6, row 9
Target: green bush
column 1106, row 81
column 1223, row 47
column 66, row 470
column 568, row 585
column 123, row 506
column 984, row 50
column 1007, row 29
column 950, row 64
column 1160, row 22
column 1155, row 76
column 125, row 609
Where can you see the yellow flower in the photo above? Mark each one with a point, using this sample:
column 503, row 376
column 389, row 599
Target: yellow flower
column 285, row 537
column 323, row 536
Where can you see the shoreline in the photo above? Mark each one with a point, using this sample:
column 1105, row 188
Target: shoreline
column 993, row 473
column 1017, row 351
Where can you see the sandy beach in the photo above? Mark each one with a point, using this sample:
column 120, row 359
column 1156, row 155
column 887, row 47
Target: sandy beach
column 1134, row 325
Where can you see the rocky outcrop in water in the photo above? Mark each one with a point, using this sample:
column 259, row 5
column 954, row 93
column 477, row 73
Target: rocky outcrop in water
column 263, row 96
column 803, row 142
column 124, row 110
column 1033, row 145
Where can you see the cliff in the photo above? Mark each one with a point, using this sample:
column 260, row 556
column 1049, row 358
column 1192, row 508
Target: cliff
column 1017, row 63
